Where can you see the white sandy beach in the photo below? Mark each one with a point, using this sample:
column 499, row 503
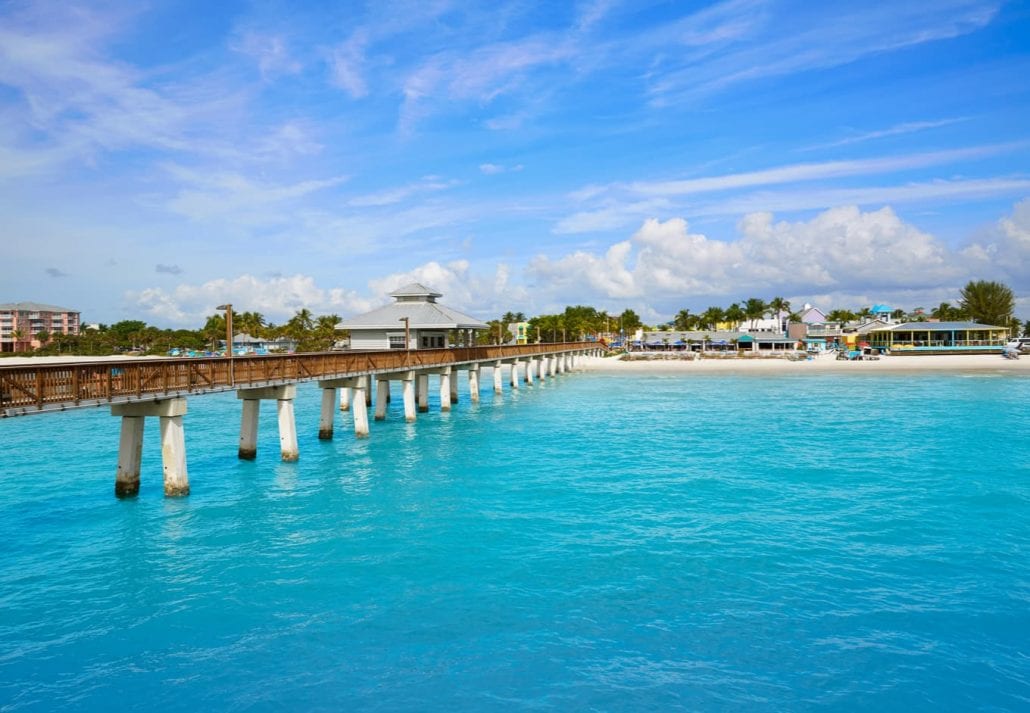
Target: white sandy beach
column 823, row 364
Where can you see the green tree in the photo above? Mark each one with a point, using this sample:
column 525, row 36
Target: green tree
column 778, row 306
column 300, row 324
column 253, row 323
column 734, row 314
column 988, row 302
column 43, row 336
column 754, row 308
column 841, row 315
column 323, row 335
column 684, row 320
column 711, row 317
column 1026, row 328
column 629, row 321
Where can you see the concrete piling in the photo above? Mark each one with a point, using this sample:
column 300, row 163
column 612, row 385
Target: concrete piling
column 408, row 392
column 474, row 383
column 173, row 445
column 423, row 393
column 325, row 421
column 445, row 389
column 249, row 429
column 382, row 398
column 130, row 456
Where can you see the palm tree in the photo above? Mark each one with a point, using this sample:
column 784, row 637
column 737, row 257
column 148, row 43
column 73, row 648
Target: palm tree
column 754, row 308
column 841, row 315
column 213, row 330
column 43, row 337
column 325, row 331
column 253, row 323
column 683, row 320
column 734, row 314
column 988, row 302
column 778, row 308
column 711, row 317
column 300, row 324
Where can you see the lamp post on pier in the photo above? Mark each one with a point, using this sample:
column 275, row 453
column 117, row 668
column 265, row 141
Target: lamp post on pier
column 228, row 340
column 407, row 338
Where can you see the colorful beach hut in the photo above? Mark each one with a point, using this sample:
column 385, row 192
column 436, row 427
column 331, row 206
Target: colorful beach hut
column 939, row 338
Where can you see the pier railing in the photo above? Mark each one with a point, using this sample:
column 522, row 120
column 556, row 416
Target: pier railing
column 48, row 387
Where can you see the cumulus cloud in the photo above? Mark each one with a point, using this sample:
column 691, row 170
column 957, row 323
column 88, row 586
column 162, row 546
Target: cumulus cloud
column 277, row 298
column 481, row 295
column 1004, row 251
column 840, row 249
column 168, row 269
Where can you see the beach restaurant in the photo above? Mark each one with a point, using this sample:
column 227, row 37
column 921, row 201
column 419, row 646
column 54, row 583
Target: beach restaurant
column 939, row 338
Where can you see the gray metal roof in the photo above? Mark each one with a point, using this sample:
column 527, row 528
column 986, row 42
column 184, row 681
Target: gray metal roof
column 416, row 289
column 421, row 314
column 934, row 326
column 34, row 307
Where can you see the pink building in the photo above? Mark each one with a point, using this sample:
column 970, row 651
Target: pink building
column 20, row 322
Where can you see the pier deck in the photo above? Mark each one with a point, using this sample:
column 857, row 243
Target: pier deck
column 46, row 388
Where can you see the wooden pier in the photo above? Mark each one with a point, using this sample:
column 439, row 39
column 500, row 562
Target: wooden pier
column 136, row 388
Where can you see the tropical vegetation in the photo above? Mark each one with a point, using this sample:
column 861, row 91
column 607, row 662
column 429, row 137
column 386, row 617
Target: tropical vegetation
column 982, row 301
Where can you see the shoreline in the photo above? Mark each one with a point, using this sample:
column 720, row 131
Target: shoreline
column 822, row 364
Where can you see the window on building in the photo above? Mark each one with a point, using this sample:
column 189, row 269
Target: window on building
column 397, row 342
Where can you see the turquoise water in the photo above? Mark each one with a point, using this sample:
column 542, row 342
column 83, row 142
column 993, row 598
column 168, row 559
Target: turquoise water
column 594, row 543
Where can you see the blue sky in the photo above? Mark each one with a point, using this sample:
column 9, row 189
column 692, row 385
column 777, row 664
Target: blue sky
column 160, row 158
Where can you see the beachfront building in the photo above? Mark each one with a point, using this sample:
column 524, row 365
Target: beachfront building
column 938, row 338
column 414, row 312
column 884, row 313
column 21, row 322
column 811, row 315
column 716, row 340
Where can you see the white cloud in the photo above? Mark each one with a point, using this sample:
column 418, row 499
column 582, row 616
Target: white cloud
column 840, row 249
column 480, row 76
column 347, row 62
column 235, row 197
column 896, row 130
column 1004, row 252
column 793, row 173
column 391, row 196
column 277, row 298
column 269, row 51
column 616, row 205
column 481, row 295
column 817, row 40
column 492, row 169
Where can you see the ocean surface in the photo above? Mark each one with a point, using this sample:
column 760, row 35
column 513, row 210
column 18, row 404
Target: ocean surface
column 593, row 543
